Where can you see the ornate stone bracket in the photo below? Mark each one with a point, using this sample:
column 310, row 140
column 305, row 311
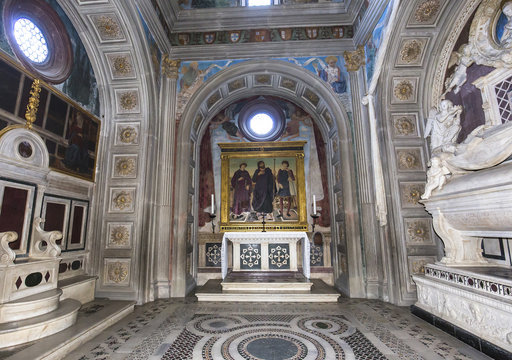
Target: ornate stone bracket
column 52, row 250
column 7, row 255
column 459, row 249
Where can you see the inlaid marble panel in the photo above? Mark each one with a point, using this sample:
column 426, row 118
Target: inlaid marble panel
column 250, row 256
column 279, row 256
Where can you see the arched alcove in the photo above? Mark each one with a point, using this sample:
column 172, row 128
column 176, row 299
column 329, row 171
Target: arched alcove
column 292, row 83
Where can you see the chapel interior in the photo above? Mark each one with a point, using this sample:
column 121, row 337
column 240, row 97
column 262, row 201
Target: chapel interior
column 207, row 179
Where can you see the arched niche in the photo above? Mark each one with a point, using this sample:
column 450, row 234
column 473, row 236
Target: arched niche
column 292, row 83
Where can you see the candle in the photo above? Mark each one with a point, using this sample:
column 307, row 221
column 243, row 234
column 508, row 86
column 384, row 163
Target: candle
column 213, row 205
column 314, row 205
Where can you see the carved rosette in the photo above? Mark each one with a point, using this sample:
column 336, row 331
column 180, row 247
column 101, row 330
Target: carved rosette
column 355, row 59
column 411, row 52
column 119, row 235
column 411, row 194
column 404, row 125
column 403, row 90
column 128, row 101
column 125, row 166
column 427, row 11
column 127, row 134
column 108, row 27
column 117, row 272
column 122, row 200
column 121, row 65
column 409, row 159
column 418, row 232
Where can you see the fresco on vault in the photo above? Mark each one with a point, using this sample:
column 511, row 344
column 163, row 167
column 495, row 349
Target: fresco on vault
column 331, row 69
column 202, row 4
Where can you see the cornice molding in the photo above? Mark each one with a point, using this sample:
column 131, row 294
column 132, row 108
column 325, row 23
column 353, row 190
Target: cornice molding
column 262, row 50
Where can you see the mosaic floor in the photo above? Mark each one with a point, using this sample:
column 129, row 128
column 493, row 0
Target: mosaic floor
column 350, row 329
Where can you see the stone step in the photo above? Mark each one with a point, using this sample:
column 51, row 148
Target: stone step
column 267, row 287
column 320, row 292
column 30, row 306
column 24, row 331
column 79, row 287
column 93, row 318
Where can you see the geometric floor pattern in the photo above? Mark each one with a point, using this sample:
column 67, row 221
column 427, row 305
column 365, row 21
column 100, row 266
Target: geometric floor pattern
column 349, row 329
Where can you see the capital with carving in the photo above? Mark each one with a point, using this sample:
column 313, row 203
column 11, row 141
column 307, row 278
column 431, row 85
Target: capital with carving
column 354, row 59
column 170, row 67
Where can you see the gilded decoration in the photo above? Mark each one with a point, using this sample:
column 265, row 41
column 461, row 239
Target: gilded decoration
column 108, row 27
column 404, row 90
column 125, row 166
column 122, row 200
column 121, row 65
column 128, row 100
column 418, row 231
column 117, row 272
column 33, row 104
column 262, row 163
column 263, row 79
column 120, row 235
column 236, row 85
column 128, row 135
column 311, row 97
column 409, row 159
column 411, row 194
column 417, row 264
column 288, row 84
column 213, row 99
column 170, row 67
column 411, row 51
column 328, row 118
column 355, row 59
column 427, row 11
column 404, row 126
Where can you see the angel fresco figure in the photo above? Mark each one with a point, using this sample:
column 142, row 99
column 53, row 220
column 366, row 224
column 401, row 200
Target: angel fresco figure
column 332, row 74
column 463, row 60
column 443, row 126
column 292, row 129
column 241, row 183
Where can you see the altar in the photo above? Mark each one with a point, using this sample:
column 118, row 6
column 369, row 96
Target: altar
column 265, row 251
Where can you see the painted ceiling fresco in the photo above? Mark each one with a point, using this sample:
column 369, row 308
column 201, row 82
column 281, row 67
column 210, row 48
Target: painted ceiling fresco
column 202, row 4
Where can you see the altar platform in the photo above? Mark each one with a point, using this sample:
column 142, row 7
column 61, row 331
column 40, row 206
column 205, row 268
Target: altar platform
column 270, row 289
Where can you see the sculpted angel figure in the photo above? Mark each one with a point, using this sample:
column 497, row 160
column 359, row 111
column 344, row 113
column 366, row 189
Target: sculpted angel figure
column 443, row 126
column 437, row 175
column 463, row 60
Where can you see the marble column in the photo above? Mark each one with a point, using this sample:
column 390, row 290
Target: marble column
column 164, row 178
column 370, row 238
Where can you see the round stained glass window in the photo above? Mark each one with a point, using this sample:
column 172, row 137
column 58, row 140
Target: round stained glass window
column 261, row 124
column 31, row 40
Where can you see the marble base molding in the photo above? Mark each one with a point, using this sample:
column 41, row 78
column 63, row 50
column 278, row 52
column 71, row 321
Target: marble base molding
column 479, row 304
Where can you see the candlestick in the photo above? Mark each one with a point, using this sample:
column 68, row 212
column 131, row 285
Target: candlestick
column 314, row 204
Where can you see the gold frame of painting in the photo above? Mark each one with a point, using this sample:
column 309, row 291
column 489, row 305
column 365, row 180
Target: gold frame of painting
column 233, row 154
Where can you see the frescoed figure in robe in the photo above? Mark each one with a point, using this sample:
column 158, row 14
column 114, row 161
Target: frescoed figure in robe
column 264, row 189
column 332, row 74
column 285, row 187
column 241, row 183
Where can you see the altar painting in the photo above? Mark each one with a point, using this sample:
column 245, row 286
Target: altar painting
column 263, row 185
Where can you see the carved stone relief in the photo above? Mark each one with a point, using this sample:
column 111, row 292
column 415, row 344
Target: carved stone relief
column 426, row 12
column 119, row 235
column 127, row 133
column 213, row 99
column 121, row 65
column 412, row 52
column 125, row 166
column 107, row 27
column 117, row 272
column 236, row 85
column 418, row 231
column 327, row 117
column 405, row 125
column 127, row 101
column 263, row 79
column 288, row 84
column 311, row 96
column 404, row 90
column 417, row 264
column 410, row 159
column 122, row 199
column 410, row 194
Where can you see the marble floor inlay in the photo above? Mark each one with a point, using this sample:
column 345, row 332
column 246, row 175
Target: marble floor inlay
column 350, row 329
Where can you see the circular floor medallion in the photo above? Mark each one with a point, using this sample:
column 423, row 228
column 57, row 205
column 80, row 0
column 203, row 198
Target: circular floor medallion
column 272, row 347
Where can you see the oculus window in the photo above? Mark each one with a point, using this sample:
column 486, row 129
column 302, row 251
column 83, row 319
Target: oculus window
column 39, row 39
column 261, row 120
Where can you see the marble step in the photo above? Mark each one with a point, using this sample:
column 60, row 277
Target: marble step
column 267, row 287
column 79, row 287
column 93, row 318
column 320, row 292
column 30, row 306
column 24, row 331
